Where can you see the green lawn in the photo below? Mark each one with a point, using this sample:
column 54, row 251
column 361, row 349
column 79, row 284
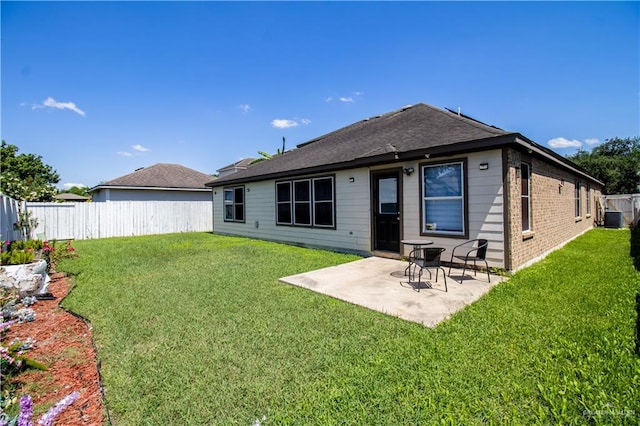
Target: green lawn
column 196, row 329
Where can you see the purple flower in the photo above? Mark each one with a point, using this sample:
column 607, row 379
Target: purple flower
column 6, row 324
column 48, row 417
column 4, row 354
column 26, row 411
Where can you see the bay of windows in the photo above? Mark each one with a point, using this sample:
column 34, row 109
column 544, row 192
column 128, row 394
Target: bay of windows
column 306, row 202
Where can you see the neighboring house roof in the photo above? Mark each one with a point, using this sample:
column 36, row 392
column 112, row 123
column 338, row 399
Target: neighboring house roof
column 68, row 196
column 238, row 165
column 410, row 133
column 160, row 176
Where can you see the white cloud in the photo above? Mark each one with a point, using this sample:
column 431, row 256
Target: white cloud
column 124, row 154
column 305, row 121
column 52, row 103
column 346, row 99
column 71, row 185
column 245, row 108
column 140, row 148
column 283, row 124
column 564, row 143
column 592, row 141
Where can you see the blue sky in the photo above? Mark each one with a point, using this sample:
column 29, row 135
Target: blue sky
column 101, row 89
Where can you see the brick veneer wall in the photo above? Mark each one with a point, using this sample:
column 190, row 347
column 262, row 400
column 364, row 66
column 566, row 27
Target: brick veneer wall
column 553, row 220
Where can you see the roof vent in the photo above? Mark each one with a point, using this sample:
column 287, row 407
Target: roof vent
column 139, row 168
column 406, row 107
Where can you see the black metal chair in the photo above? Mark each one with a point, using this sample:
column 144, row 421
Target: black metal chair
column 475, row 250
column 425, row 258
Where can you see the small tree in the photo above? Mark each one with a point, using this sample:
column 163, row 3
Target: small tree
column 266, row 156
column 25, row 177
column 77, row 190
column 616, row 163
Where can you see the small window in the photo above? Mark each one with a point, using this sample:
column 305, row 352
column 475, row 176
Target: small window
column 323, row 202
column 302, row 202
column 578, row 197
column 283, row 200
column 525, row 196
column 388, row 195
column 588, row 199
column 443, row 198
column 234, row 204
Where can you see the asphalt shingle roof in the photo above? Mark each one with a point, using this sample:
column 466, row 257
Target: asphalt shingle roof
column 162, row 175
column 68, row 196
column 244, row 163
column 411, row 128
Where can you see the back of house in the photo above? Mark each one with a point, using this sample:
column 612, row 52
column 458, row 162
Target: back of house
column 418, row 172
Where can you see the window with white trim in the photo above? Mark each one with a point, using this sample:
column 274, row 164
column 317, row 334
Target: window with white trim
column 234, row 204
column 588, row 199
column 306, row 202
column 525, row 196
column 443, row 198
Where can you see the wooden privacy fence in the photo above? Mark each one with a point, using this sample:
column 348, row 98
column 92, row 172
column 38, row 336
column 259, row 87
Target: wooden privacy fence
column 83, row 221
column 9, row 209
column 628, row 204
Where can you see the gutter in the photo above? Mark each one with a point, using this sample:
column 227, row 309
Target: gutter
column 157, row 188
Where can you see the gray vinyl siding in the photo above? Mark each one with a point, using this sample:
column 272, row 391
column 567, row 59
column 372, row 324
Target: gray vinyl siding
column 485, row 205
column 352, row 231
column 353, row 210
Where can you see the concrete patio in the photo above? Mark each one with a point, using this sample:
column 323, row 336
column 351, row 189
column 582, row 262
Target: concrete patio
column 380, row 284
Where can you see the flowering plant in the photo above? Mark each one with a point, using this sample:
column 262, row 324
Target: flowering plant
column 26, row 411
column 53, row 254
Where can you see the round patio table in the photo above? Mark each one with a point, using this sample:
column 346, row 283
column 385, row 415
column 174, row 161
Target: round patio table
column 416, row 245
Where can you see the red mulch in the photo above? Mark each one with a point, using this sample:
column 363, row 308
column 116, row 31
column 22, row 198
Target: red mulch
column 63, row 343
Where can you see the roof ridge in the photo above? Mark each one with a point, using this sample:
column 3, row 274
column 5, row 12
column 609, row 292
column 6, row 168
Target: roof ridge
column 472, row 121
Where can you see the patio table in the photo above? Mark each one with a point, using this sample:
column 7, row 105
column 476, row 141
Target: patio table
column 416, row 245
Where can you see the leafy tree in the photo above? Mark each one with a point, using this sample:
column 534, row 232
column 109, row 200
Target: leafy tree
column 616, row 163
column 266, row 156
column 24, row 176
column 263, row 156
column 78, row 190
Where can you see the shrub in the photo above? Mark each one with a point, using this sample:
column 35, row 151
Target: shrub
column 19, row 252
column 53, row 254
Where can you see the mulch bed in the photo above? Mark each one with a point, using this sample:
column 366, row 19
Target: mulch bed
column 64, row 344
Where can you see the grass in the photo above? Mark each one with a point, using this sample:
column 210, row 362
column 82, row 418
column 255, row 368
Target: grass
column 196, row 329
